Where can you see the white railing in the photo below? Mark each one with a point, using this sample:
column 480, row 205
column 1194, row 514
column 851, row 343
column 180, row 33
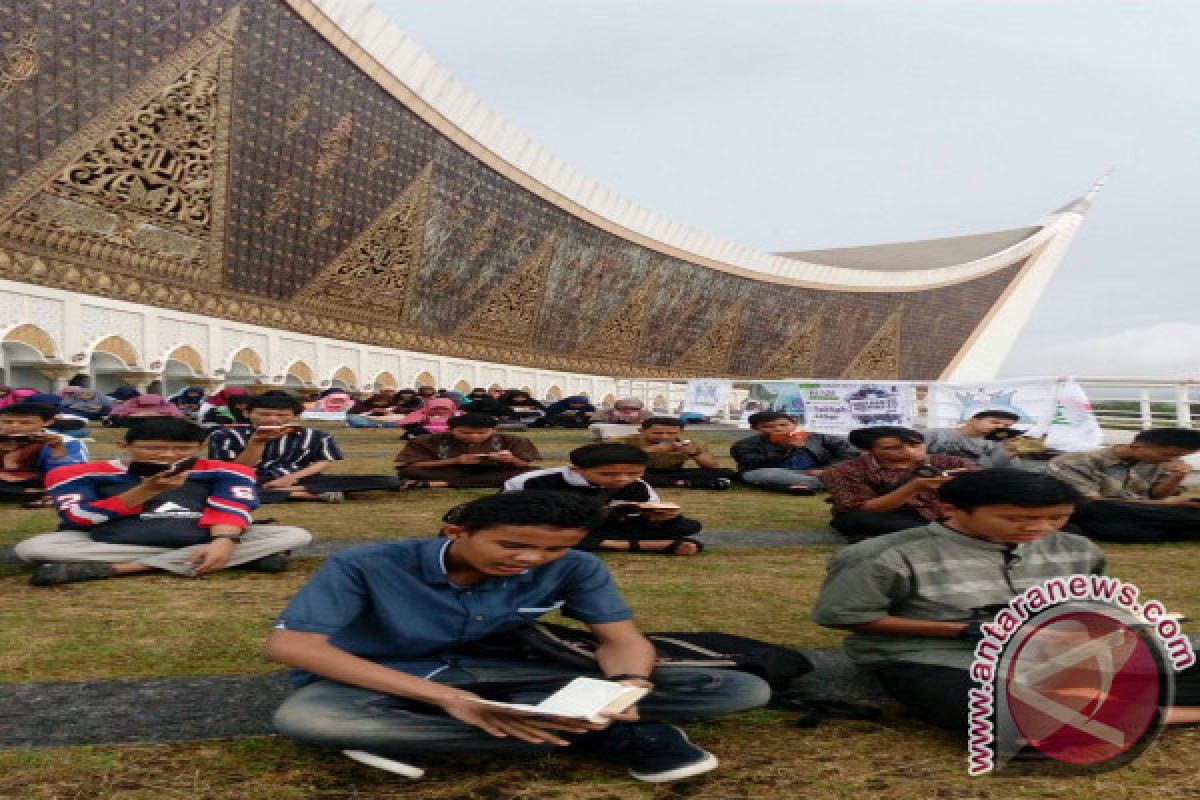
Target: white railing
column 1140, row 403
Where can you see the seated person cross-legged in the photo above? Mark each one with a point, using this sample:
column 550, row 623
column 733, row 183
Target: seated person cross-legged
column 289, row 460
column 783, row 458
column 1132, row 489
column 160, row 507
column 470, row 455
column 637, row 520
column 914, row 600
column 891, row 486
column 381, row 640
column 28, row 452
column 662, row 440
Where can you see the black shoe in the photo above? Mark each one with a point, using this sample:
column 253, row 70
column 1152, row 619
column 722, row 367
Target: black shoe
column 276, row 562
column 655, row 753
column 70, row 572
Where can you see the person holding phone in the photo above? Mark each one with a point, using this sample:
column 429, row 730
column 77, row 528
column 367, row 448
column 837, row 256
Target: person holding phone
column 892, row 486
column 28, row 452
column 160, row 507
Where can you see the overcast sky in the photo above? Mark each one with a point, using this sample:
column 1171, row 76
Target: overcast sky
column 794, row 124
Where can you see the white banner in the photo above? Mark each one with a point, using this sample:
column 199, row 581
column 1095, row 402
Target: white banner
column 838, row 406
column 708, row 397
column 1032, row 399
column 1074, row 425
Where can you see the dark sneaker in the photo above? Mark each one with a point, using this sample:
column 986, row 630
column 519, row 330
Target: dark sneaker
column 721, row 484
column 387, row 764
column 276, row 562
column 655, row 753
column 70, row 572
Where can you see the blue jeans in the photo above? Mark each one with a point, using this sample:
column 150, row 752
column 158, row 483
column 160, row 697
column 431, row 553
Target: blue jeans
column 780, row 479
column 341, row 717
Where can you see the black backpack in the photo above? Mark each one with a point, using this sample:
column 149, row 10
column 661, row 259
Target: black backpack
column 572, row 647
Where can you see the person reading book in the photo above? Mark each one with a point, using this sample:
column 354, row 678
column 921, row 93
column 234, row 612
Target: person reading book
column 637, row 518
column 381, row 644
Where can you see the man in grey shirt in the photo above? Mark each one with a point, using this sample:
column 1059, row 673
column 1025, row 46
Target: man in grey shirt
column 968, row 441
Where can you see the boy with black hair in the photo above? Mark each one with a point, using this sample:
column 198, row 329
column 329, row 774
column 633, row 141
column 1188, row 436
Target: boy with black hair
column 637, row 520
column 159, row 507
column 891, row 486
column 28, row 452
column 470, row 455
column 1132, row 489
column 968, row 440
column 288, row 459
column 661, row 439
column 914, row 600
column 381, row 640
column 783, row 458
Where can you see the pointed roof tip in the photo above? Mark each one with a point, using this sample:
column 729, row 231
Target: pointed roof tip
column 1083, row 205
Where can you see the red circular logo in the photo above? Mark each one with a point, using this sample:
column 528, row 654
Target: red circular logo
column 1083, row 688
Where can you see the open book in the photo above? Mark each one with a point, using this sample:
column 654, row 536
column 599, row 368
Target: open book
column 582, row 698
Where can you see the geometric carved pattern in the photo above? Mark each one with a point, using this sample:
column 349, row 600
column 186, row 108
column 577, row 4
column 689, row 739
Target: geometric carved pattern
column 622, row 332
column 880, row 357
column 116, row 346
column 510, row 314
column 34, row 337
column 712, row 351
column 19, row 62
column 142, row 184
column 373, row 275
column 795, row 358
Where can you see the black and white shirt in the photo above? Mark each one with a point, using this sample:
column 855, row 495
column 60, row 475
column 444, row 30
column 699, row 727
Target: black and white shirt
column 287, row 454
column 565, row 479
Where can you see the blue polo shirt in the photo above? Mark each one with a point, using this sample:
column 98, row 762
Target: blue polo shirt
column 394, row 603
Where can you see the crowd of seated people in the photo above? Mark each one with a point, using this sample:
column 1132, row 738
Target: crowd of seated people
column 943, row 526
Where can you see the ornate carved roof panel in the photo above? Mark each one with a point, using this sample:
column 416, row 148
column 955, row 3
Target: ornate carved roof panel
column 227, row 160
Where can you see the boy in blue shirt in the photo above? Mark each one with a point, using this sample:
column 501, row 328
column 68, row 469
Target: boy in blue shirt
column 378, row 633
column 28, row 451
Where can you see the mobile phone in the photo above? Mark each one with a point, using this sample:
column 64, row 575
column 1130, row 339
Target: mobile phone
column 148, row 469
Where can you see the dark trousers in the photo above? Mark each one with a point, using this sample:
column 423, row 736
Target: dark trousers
column 1111, row 521
column 319, row 484
column 636, row 529
column 20, row 491
column 938, row 695
column 561, row 421
column 334, row 715
column 667, row 478
column 865, row 524
column 463, row 477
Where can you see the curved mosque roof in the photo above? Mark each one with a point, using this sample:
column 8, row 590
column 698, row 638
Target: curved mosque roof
column 904, row 266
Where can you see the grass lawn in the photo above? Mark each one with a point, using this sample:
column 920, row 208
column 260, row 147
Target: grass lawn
column 162, row 626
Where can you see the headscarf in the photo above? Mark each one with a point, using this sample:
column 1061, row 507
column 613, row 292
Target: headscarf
column 626, row 411
column 85, row 401
column 221, row 398
column 519, row 398
column 334, row 401
column 16, row 396
column 123, row 393
column 566, row 406
column 190, row 396
column 147, row 405
column 406, row 400
column 434, row 423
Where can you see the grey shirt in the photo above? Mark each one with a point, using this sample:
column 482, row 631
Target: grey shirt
column 935, row 573
column 952, row 442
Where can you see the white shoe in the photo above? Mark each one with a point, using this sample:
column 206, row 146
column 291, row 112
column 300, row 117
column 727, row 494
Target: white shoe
column 385, row 764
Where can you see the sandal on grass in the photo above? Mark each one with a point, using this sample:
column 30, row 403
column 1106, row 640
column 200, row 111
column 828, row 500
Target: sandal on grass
column 673, row 548
column 413, row 484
